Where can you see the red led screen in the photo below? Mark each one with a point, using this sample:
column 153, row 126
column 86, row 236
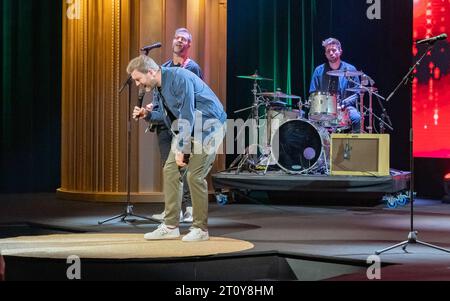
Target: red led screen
column 431, row 87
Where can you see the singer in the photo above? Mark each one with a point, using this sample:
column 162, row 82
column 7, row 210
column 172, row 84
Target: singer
column 184, row 96
column 154, row 114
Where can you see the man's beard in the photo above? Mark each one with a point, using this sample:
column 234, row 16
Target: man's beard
column 151, row 85
column 333, row 59
column 179, row 50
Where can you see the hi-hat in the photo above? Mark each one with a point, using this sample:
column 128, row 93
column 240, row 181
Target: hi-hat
column 344, row 73
column 363, row 90
column 255, row 76
column 278, row 95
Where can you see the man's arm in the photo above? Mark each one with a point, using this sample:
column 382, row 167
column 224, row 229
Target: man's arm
column 156, row 114
column 315, row 81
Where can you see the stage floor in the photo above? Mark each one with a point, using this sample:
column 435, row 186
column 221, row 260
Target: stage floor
column 341, row 233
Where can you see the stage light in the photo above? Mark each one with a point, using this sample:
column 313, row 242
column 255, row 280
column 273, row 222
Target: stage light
column 446, row 198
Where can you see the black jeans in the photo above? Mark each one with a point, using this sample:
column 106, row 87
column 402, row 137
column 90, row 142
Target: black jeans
column 165, row 142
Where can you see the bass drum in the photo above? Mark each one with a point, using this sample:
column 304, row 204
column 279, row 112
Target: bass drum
column 298, row 147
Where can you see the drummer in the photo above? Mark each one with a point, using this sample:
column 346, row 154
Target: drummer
column 322, row 82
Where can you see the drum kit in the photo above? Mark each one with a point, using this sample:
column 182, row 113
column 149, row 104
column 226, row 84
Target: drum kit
column 299, row 145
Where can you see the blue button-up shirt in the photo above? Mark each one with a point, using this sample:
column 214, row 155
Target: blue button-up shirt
column 188, row 99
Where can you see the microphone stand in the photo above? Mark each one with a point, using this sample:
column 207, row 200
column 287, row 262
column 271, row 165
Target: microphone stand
column 129, row 207
column 412, row 236
column 384, row 116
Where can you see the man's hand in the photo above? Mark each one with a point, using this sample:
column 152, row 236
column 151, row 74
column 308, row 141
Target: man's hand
column 179, row 158
column 139, row 113
column 149, row 107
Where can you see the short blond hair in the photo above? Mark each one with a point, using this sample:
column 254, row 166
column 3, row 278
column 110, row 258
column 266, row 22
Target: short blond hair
column 142, row 64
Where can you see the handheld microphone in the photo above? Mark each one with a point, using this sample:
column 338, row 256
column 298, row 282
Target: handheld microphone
column 432, row 39
column 141, row 97
column 150, row 47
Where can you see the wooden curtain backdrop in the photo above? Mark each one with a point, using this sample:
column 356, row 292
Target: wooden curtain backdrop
column 99, row 39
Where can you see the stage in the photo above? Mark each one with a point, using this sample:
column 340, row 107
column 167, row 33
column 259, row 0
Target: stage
column 294, row 241
column 312, row 187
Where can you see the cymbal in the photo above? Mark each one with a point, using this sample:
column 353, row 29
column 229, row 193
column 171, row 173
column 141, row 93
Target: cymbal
column 345, row 73
column 278, row 95
column 255, row 76
column 362, row 90
column 278, row 103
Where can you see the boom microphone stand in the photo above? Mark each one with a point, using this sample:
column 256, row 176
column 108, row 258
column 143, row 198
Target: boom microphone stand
column 412, row 236
column 129, row 207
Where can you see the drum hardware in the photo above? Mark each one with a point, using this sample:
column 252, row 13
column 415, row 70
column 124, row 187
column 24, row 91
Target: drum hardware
column 255, row 91
column 381, row 119
column 278, row 95
column 345, row 73
column 338, row 125
column 278, row 104
column 362, row 89
column 250, row 159
column 255, row 77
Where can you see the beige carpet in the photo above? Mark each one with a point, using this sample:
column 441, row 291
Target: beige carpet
column 115, row 246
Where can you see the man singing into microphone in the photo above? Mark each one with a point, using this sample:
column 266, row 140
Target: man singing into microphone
column 180, row 46
column 187, row 99
column 322, row 82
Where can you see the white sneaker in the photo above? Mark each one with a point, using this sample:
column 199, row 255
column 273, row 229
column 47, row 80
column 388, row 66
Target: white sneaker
column 196, row 234
column 188, row 217
column 160, row 217
column 163, row 232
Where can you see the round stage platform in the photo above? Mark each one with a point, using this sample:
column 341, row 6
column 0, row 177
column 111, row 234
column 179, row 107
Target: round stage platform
column 115, row 246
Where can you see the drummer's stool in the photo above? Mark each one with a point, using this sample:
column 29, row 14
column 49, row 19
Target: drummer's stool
column 360, row 155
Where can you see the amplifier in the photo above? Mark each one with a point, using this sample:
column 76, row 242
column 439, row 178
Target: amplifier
column 360, row 155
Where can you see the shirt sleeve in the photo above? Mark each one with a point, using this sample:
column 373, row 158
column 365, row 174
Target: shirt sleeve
column 157, row 114
column 315, row 81
column 183, row 90
column 194, row 68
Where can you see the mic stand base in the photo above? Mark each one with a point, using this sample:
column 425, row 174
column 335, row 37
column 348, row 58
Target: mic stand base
column 128, row 213
column 412, row 239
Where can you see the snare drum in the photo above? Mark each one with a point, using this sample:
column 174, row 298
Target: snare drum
column 342, row 122
column 322, row 106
